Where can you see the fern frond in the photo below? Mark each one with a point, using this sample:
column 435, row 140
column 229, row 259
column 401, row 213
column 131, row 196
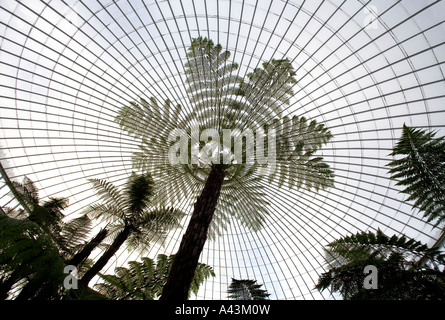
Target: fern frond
column 406, row 267
column 108, row 193
column 365, row 244
column 154, row 225
column 138, row 191
column 74, row 234
column 144, row 280
column 28, row 191
column 29, row 254
column 105, row 212
column 421, row 171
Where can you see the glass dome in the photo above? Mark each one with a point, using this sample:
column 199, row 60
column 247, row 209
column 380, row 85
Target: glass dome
column 363, row 68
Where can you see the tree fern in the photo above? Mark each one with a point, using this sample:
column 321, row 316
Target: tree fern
column 246, row 289
column 133, row 205
column 68, row 237
column 407, row 269
column 131, row 217
column 421, row 171
column 48, row 214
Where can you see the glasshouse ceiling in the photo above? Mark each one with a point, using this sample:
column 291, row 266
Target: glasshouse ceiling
column 363, row 69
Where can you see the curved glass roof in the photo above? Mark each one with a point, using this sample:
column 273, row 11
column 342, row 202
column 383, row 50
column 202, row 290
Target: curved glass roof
column 364, row 68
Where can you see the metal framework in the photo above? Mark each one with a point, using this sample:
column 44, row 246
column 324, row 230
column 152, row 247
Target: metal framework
column 364, row 68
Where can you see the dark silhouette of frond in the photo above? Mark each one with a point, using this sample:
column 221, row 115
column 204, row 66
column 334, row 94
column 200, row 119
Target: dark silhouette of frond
column 421, row 171
column 246, row 289
column 406, row 268
column 144, row 280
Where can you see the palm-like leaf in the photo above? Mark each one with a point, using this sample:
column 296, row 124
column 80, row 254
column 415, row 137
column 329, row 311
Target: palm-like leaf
column 27, row 191
column 120, row 205
column 104, row 212
column 138, row 191
column 365, row 244
column 265, row 92
column 243, row 198
column 211, row 84
column 48, row 214
column 144, row 280
column 109, row 194
column 26, row 252
column 421, row 171
column 68, row 236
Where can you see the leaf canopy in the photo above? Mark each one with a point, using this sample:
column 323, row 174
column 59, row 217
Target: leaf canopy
column 218, row 98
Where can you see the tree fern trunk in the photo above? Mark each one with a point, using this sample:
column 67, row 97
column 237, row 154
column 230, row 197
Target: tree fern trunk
column 80, row 256
column 103, row 260
column 186, row 259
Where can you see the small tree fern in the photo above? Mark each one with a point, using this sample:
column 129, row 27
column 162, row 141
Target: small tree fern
column 29, row 258
column 131, row 216
column 407, row 269
column 246, row 289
